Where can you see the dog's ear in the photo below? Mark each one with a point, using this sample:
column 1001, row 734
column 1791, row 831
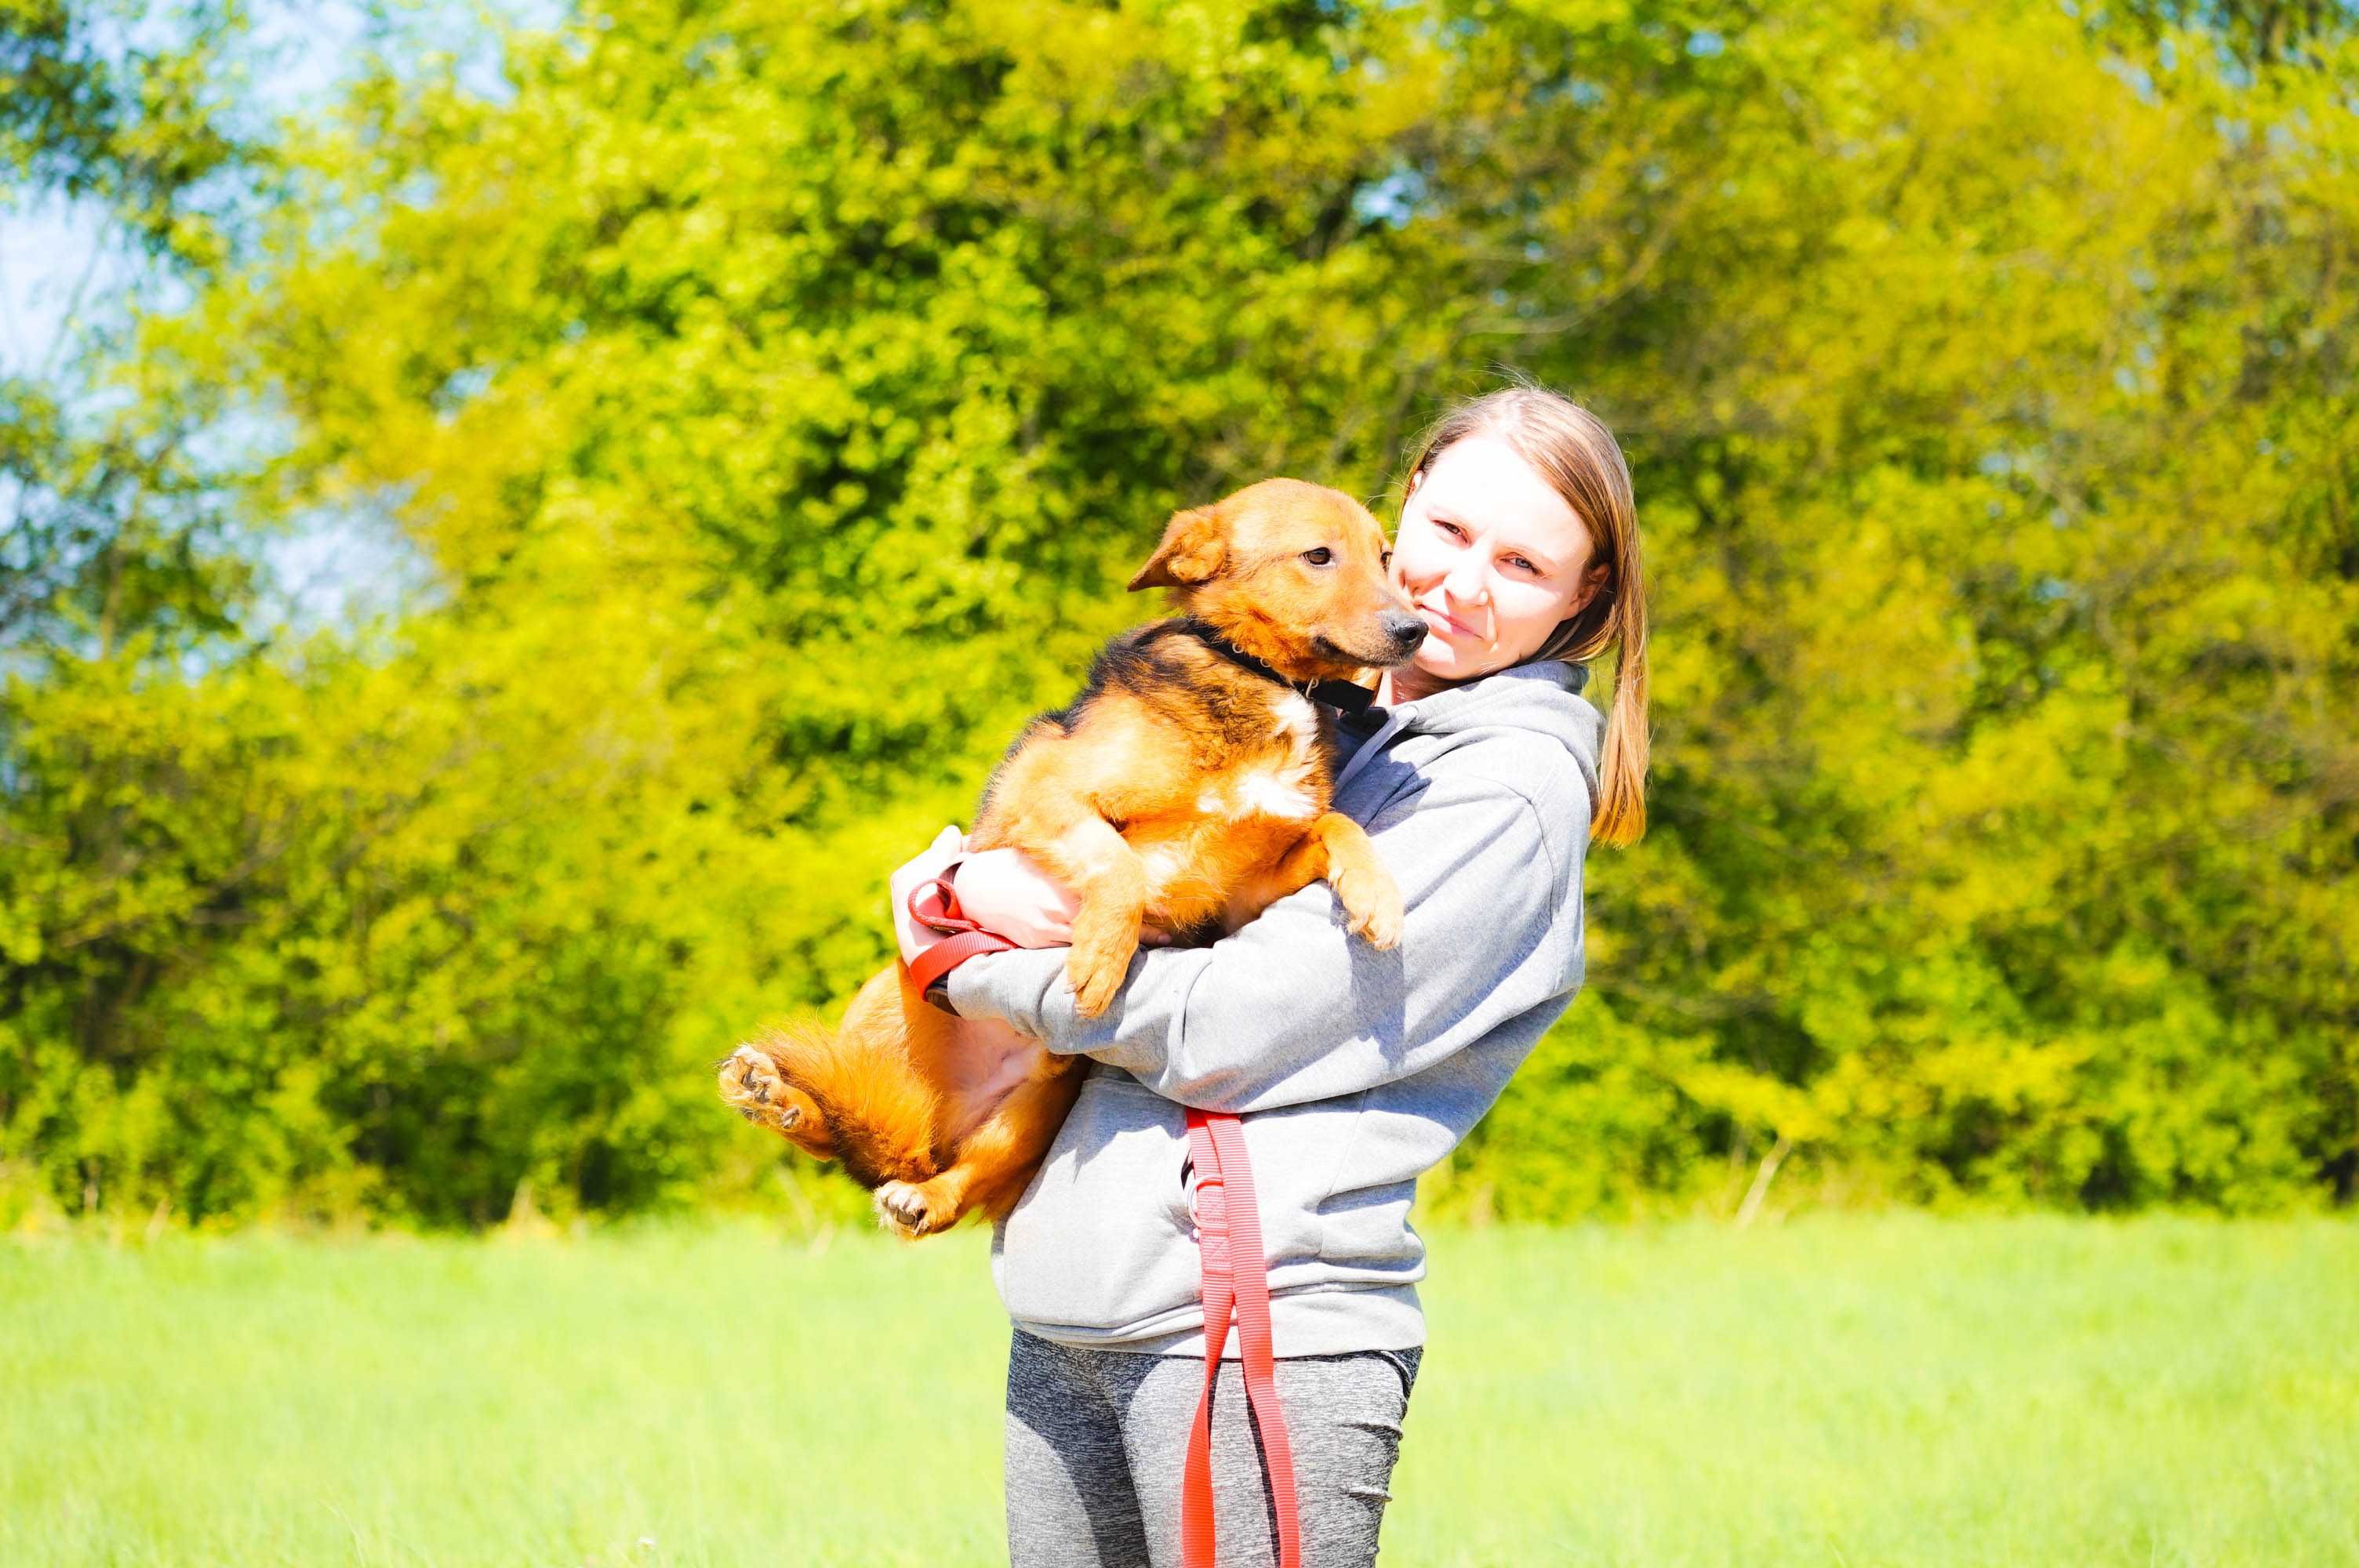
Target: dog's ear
column 1195, row 544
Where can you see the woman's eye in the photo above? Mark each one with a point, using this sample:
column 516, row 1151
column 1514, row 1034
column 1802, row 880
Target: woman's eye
column 1519, row 561
column 1452, row 529
column 1320, row 557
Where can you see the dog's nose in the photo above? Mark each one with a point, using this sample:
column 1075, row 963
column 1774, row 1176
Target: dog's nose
column 1407, row 631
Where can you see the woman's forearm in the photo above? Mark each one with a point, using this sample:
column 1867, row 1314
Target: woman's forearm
column 1292, row 1008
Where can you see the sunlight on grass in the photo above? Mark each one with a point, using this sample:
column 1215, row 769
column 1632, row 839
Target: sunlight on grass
column 1847, row 1390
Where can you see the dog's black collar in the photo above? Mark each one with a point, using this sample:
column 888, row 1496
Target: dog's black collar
column 1341, row 694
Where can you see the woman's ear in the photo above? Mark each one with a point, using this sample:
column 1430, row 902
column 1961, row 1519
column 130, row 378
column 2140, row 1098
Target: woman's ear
column 1593, row 581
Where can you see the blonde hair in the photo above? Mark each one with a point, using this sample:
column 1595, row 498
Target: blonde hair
column 1567, row 446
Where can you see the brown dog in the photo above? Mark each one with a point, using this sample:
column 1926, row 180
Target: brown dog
column 1188, row 787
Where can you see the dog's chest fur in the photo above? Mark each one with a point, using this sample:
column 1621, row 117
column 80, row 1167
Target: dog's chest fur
column 1286, row 782
column 1212, row 775
column 1260, row 787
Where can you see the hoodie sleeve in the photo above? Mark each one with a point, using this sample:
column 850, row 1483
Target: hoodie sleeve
column 1293, row 1008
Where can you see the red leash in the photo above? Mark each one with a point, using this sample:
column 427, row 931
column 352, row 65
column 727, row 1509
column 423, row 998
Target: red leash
column 1229, row 1248
column 936, row 904
column 1236, row 1275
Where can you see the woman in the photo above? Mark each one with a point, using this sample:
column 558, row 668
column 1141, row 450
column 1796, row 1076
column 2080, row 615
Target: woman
column 1478, row 776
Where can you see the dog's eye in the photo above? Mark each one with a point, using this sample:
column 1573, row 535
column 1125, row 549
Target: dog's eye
column 1387, row 560
column 1320, row 557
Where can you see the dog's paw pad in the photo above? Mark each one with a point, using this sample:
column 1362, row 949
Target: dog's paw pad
column 903, row 1206
column 751, row 1083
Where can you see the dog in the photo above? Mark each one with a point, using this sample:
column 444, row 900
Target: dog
column 1186, row 788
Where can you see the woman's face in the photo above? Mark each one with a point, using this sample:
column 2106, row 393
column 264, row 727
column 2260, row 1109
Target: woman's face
column 1493, row 559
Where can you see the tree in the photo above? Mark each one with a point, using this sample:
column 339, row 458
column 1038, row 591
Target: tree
column 780, row 398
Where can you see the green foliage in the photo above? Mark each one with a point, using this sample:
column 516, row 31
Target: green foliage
column 2011, row 578
column 115, row 523
column 119, row 103
column 777, row 397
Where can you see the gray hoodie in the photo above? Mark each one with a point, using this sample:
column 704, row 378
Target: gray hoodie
column 1354, row 1071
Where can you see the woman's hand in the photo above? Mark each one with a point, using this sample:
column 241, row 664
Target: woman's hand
column 1005, row 891
column 1002, row 890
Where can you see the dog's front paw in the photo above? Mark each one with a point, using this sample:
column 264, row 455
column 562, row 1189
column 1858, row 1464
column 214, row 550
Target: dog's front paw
column 907, row 1208
column 753, row 1086
column 1373, row 902
column 1096, row 972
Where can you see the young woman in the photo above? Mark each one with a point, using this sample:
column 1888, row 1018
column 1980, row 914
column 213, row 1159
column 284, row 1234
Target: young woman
column 1481, row 775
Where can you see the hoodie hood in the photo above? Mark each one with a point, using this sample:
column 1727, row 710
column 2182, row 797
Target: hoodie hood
column 1542, row 698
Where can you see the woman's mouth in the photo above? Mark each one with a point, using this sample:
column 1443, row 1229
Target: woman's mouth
column 1444, row 623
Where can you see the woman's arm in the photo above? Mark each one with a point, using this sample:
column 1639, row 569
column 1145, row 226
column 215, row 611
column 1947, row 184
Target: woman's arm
column 1292, row 1008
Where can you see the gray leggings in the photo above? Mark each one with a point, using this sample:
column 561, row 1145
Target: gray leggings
column 1095, row 1439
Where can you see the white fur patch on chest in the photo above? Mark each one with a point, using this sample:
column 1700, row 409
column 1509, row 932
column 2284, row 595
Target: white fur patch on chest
column 1299, row 722
column 1272, row 793
column 1162, row 862
column 1279, row 788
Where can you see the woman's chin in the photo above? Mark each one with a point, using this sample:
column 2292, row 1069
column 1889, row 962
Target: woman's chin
column 1441, row 660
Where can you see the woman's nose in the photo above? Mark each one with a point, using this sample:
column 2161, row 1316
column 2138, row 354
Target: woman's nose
column 1464, row 582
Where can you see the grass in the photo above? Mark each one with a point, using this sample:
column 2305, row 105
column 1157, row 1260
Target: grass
column 1857, row 1391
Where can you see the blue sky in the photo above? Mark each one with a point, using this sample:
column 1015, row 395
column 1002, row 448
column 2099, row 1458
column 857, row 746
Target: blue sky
column 54, row 257
column 56, row 261
column 62, row 272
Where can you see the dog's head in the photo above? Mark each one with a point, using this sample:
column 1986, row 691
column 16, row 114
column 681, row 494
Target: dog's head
column 1293, row 574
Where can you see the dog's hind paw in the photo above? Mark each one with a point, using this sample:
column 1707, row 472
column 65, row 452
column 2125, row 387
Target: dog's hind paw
column 752, row 1085
column 907, row 1208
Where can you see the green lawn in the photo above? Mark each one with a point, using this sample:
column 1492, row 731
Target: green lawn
column 1842, row 1391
